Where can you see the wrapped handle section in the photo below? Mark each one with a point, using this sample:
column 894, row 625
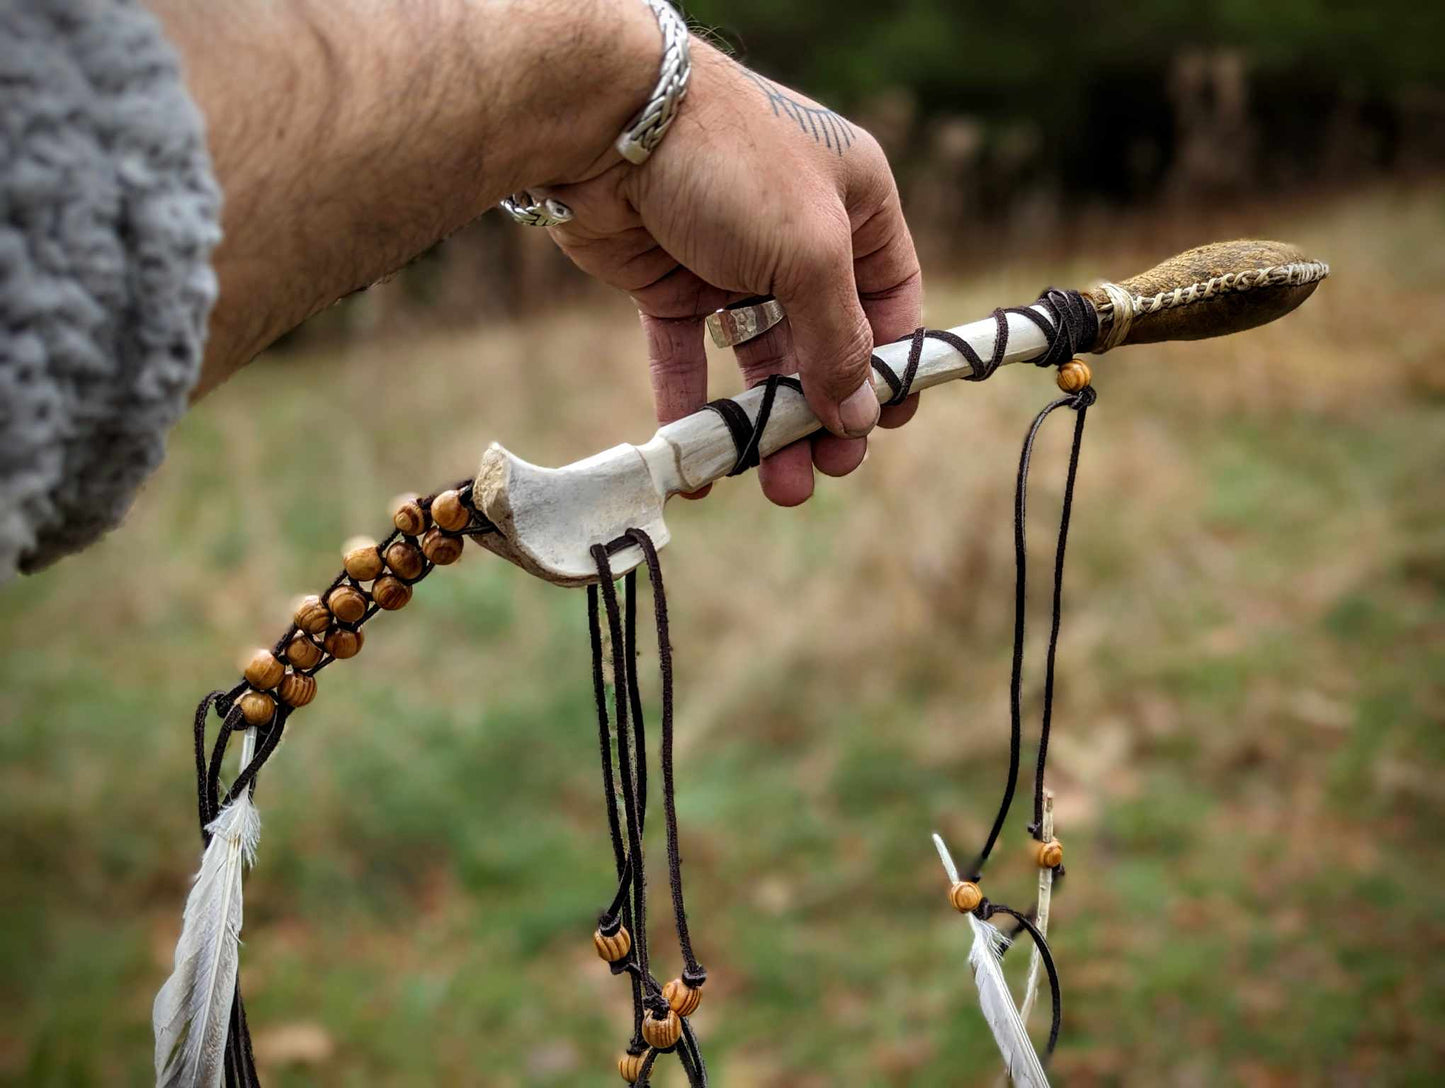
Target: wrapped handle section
column 1212, row 290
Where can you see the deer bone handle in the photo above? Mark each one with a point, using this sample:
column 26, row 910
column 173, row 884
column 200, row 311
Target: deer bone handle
column 548, row 519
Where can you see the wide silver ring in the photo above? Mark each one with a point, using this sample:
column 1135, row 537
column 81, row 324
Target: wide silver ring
column 744, row 321
column 535, row 213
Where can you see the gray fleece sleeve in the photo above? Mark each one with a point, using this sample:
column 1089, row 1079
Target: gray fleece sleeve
column 108, row 214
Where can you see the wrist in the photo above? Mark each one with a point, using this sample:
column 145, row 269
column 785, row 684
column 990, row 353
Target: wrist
column 585, row 90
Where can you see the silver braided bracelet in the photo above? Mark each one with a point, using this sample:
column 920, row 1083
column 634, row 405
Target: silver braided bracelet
column 643, row 133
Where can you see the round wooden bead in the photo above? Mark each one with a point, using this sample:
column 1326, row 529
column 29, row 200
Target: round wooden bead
column 1049, row 855
column 448, row 512
column 965, row 896
column 342, row 643
column 361, row 558
column 297, row 689
column 683, row 999
column 410, row 518
column 302, row 652
column 390, row 593
column 257, row 707
column 630, row 1066
column 663, row 1033
column 264, row 670
column 347, row 603
column 440, row 548
column 613, row 948
column 405, row 559
column 1074, row 376
column 312, row 616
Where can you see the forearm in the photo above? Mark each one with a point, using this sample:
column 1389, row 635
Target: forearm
column 347, row 138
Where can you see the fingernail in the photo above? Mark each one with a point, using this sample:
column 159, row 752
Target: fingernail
column 860, row 411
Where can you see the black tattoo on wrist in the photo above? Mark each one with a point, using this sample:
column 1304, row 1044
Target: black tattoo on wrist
column 830, row 129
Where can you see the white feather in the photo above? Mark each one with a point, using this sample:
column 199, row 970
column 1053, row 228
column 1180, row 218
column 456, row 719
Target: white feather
column 192, row 1012
column 1019, row 1056
column 1041, row 914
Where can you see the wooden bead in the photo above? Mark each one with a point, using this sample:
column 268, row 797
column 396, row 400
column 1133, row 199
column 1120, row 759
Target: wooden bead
column 448, row 512
column 257, row 707
column 965, row 896
column 361, row 558
column 347, row 603
column 342, row 643
column 663, row 1033
column 440, row 548
column 297, row 689
column 264, row 670
column 302, row 652
column 1049, row 855
column 683, row 999
column 410, row 518
column 390, row 594
column 630, row 1066
column 613, row 948
column 312, row 616
column 1074, row 376
column 405, row 559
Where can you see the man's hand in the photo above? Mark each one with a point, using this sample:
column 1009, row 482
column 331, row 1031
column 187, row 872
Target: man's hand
column 348, row 136
column 757, row 190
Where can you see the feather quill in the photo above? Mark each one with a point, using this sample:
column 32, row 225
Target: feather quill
column 999, row 1011
column 1019, row 1056
column 192, row 1012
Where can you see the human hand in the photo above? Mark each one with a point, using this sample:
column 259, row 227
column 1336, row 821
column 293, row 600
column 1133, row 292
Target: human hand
column 757, row 190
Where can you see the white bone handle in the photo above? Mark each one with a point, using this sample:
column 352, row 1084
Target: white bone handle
column 694, row 451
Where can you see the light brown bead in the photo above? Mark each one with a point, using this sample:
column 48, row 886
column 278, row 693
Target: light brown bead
column 630, row 1066
column 361, row 558
column 312, row 616
column 440, row 548
column 683, row 999
column 297, row 689
column 448, row 512
column 1048, row 855
column 390, row 593
column 264, row 671
column 257, row 707
column 302, row 652
column 663, row 1033
column 965, row 896
column 615, row 947
column 405, row 559
column 342, row 643
column 1074, row 376
column 347, row 603
column 410, row 518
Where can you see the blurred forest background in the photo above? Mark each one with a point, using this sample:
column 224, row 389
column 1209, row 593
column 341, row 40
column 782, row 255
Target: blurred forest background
column 1249, row 737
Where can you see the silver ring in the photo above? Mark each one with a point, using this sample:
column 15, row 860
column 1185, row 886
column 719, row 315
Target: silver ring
column 743, row 321
column 533, row 213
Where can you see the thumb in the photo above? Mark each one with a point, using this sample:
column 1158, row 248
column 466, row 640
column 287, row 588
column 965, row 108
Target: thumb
column 832, row 339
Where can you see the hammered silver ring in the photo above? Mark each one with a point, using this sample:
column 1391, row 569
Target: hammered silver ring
column 535, row 213
column 744, row 321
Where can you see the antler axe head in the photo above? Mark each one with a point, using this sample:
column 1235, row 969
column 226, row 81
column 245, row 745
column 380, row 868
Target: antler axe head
column 548, row 519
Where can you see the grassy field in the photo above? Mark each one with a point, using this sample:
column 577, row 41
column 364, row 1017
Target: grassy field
column 1248, row 747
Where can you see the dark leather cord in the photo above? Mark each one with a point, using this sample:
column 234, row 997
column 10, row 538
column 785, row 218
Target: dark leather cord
column 1080, row 403
column 986, row 910
column 629, row 776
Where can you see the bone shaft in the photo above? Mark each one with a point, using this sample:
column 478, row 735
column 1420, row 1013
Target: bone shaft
column 698, row 449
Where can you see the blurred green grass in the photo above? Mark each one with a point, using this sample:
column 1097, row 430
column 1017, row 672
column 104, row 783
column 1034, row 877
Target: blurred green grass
column 1247, row 764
